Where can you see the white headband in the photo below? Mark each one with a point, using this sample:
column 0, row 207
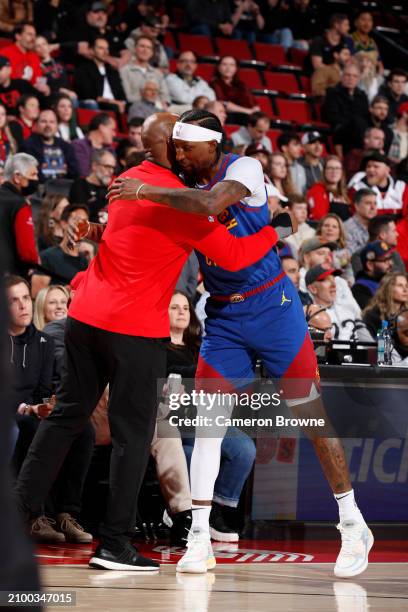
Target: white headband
column 194, row 133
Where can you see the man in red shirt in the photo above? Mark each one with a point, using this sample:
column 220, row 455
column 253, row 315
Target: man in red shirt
column 115, row 330
column 25, row 64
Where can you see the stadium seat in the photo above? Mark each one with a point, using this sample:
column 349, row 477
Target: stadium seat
column 169, row 40
column 271, row 54
column 265, row 105
column 305, row 82
column 298, row 56
column 297, row 111
column 172, row 64
column 281, row 81
column 201, row 45
column 85, row 115
column 251, row 77
column 205, row 71
column 230, row 129
column 237, row 48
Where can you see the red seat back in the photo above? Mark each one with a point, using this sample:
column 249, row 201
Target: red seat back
column 237, row 48
column 271, row 54
column 251, row 78
column 281, row 81
column 201, row 45
column 294, row 110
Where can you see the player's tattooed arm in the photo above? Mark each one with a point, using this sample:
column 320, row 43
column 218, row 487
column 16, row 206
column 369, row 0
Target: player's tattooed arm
column 198, row 201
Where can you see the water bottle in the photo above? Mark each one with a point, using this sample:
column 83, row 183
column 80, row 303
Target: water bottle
column 384, row 344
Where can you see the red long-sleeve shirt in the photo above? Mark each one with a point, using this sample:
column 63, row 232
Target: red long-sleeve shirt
column 24, row 236
column 128, row 285
column 24, row 65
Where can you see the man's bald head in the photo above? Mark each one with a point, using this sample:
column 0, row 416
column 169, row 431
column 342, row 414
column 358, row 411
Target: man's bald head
column 156, row 138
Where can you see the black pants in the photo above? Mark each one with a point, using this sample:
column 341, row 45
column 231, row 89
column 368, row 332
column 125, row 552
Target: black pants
column 66, row 493
column 93, row 358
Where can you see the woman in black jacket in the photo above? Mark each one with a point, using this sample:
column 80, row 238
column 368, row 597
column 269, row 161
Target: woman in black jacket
column 389, row 300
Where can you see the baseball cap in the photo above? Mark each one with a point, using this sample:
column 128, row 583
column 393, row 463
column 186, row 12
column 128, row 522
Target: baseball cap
column 97, row 6
column 151, row 21
column 375, row 156
column 375, row 250
column 313, row 244
column 4, row 61
column 272, row 191
column 310, row 137
column 319, row 273
column 256, row 148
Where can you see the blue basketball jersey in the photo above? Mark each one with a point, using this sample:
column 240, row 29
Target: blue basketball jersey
column 240, row 219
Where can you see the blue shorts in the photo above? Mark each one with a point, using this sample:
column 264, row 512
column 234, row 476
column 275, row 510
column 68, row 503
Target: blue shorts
column 269, row 326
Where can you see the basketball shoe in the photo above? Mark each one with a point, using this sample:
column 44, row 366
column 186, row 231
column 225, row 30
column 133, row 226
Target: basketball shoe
column 356, row 542
column 199, row 556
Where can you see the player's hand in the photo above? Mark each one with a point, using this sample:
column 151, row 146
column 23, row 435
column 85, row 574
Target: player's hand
column 285, row 224
column 124, row 189
column 77, row 229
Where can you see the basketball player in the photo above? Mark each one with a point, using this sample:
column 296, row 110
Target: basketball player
column 253, row 313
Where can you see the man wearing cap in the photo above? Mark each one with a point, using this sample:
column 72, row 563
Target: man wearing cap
column 392, row 195
column 312, row 160
column 312, row 253
column 11, row 90
column 399, row 145
column 384, row 229
column 250, row 314
column 151, row 26
column 185, row 86
column 321, row 284
column 376, row 259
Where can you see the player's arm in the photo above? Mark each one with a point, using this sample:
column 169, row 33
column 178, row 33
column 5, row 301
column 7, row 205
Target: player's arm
column 232, row 253
column 198, row 201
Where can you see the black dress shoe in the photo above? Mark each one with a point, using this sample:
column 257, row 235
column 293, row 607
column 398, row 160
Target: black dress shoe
column 126, row 559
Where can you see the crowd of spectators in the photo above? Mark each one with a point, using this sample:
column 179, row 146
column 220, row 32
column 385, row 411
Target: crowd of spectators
column 77, row 81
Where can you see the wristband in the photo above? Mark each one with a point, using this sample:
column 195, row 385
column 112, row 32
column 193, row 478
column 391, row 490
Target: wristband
column 282, row 224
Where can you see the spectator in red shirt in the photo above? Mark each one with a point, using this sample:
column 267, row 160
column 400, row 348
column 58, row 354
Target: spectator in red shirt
column 230, row 89
column 114, row 333
column 25, row 64
column 16, row 222
column 330, row 195
column 12, row 89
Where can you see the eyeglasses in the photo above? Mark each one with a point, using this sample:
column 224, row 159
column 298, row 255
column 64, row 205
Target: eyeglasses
column 107, row 167
column 334, row 168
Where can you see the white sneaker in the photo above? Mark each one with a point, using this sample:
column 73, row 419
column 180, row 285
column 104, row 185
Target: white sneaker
column 356, row 542
column 199, row 556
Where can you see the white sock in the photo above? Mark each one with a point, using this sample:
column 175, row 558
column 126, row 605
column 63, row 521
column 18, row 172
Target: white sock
column 348, row 509
column 201, row 518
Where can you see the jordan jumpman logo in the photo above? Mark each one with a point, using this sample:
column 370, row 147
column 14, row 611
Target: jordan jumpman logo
column 285, row 299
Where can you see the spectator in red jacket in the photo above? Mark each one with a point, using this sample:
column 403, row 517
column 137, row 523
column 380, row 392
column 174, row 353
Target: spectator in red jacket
column 330, row 195
column 25, row 64
column 28, row 108
column 230, row 89
column 16, row 222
